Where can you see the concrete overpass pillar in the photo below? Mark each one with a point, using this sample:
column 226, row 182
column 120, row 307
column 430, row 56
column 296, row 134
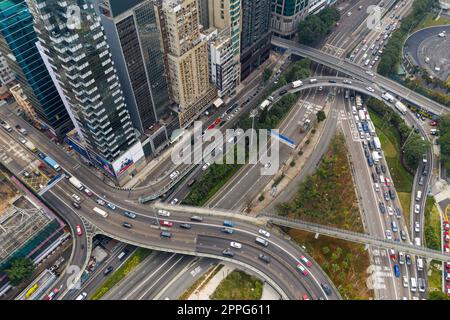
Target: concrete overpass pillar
column 316, row 236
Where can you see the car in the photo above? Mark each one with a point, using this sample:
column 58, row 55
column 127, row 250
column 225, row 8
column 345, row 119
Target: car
column 163, row 213
column 108, row 270
column 22, row 140
column 390, row 211
column 236, row 245
column 264, row 258
column 397, row 271
column 52, row 294
column 227, row 230
column 228, row 252
column 446, row 237
column 76, row 197
column 387, row 181
column 42, row 156
column 382, row 208
column 174, row 174
column 377, row 168
column 127, row 225
column 306, row 261
column 88, row 192
column 26, row 174
column 370, row 89
column 408, row 259
column 405, row 282
column 446, row 225
column 370, row 73
column 185, row 226
column 417, row 226
column 100, row 202
column 326, row 288
column 166, row 223
column 205, row 166
column 347, row 81
column 302, row 269
column 417, row 208
column 388, row 234
column 111, row 206
column 174, row 201
column 129, row 215
column 79, row 230
column 76, row 205
column 282, row 92
column 264, row 232
column 401, row 257
column 305, row 297
column 433, row 123
column 37, row 173
column 446, row 249
column 403, row 235
column 386, row 196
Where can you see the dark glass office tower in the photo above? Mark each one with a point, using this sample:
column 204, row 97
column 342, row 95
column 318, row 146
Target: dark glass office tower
column 17, row 43
column 286, row 15
column 132, row 33
column 255, row 35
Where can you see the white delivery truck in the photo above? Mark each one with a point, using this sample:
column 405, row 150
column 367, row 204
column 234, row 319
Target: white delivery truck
column 362, row 115
column 376, row 156
column 388, row 97
column 377, row 143
column 30, row 146
column 264, row 104
column 400, row 107
column 371, row 128
column 297, row 84
column 76, row 183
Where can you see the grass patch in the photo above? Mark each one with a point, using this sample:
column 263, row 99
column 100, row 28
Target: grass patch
column 429, row 21
column 328, row 196
column 201, row 282
column 390, row 142
column 435, row 278
column 238, row 286
column 344, row 262
column 405, row 201
column 432, row 225
column 137, row 257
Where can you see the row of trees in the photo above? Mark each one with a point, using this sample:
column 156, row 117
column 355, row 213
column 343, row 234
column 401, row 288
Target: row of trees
column 20, row 270
column 415, row 146
column 392, row 54
column 444, row 140
column 316, row 27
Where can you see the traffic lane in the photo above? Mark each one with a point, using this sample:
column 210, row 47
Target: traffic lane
column 289, row 279
column 13, row 153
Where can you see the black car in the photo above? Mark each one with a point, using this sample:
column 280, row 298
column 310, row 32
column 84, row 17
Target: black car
column 391, row 194
column 398, row 213
column 228, row 252
column 377, row 169
column 326, row 288
column 382, row 208
column 383, row 168
column 76, row 205
column 403, row 235
column 127, row 225
column 185, row 226
column 108, row 270
column 425, row 170
column 282, row 92
column 264, row 258
column 332, row 81
column 366, row 153
column 41, row 155
column 374, row 177
column 371, row 145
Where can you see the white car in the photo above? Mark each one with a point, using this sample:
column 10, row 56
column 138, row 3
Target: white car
column 390, row 211
column 370, row 89
column 264, row 232
column 163, row 213
column 174, row 174
column 205, row 166
column 388, row 234
column 370, row 73
column 416, row 226
column 174, row 201
column 267, row 165
column 22, row 140
column 417, row 208
column 347, row 81
column 236, row 245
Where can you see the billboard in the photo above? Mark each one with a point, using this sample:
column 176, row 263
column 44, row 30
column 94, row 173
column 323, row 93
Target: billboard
column 126, row 160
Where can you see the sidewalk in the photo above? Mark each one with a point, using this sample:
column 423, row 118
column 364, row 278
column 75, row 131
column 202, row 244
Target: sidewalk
column 212, row 284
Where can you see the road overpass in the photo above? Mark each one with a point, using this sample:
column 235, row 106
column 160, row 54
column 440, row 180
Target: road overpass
column 360, row 73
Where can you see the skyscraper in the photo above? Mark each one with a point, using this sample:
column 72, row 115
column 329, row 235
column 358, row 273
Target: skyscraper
column 255, row 35
column 286, row 14
column 186, row 57
column 76, row 50
column 17, row 43
column 134, row 39
column 6, row 74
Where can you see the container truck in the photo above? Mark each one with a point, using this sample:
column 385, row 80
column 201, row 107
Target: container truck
column 76, row 183
column 377, row 143
column 297, row 83
column 400, row 107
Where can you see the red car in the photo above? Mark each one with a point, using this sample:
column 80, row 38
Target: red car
column 448, row 290
column 306, row 261
column 446, row 249
column 446, row 237
column 302, row 269
column 166, row 223
column 305, row 297
column 433, row 123
column 387, row 181
column 52, row 294
column 446, row 226
column 79, row 230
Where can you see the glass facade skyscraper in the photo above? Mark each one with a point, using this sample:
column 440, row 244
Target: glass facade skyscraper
column 286, row 14
column 17, row 43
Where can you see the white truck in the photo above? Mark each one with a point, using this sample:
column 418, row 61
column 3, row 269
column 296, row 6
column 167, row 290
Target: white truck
column 264, row 104
column 362, row 115
column 376, row 156
column 297, row 83
column 377, row 143
column 400, row 107
column 371, row 128
column 30, row 146
column 388, row 97
column 358, row 101
column 76, row 183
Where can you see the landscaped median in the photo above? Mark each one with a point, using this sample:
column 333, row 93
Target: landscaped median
column 137, row 257
column 238, row 285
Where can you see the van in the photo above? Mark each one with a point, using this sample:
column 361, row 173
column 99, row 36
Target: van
column 262, row 241
column 82, row 296
column 228, row 223
column 419, row 195
column 394, row 226
column 165, row 234
column 419, row 264
column 312, row 80
column 421, row 283
column 122, row 255
column 196, row 218
column 405, row 282
column 421, row 181
column 413, row 284
column 417, row 241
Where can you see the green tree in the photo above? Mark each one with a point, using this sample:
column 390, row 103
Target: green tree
column 320, row 116
column 20, row 270
column 437, row 295
column 414, row 149
column 267, row 74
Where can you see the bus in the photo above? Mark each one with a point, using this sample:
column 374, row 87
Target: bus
column 52, row 163
column 31, row 291
column 101, row 212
